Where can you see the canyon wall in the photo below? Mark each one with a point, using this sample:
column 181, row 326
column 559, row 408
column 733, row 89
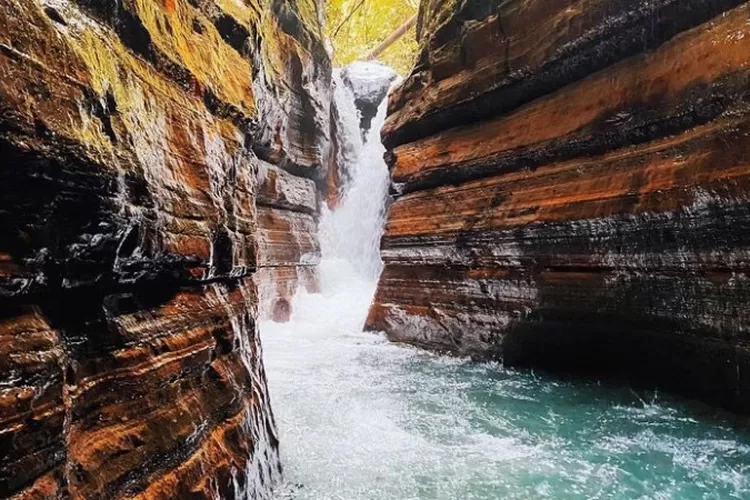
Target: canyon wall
column 155, row 158
column 293, row 74
column 571, row 184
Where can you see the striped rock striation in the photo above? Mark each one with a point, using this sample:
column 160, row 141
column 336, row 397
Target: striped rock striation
column 155, row 158
column 571, row 184
column 293, row 141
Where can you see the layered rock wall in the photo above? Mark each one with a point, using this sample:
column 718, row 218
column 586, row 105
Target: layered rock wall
column 133, row 136
column 293, row 76
column 572, row 185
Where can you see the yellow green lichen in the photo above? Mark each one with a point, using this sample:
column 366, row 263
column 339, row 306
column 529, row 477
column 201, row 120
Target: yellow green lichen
column 205, row 54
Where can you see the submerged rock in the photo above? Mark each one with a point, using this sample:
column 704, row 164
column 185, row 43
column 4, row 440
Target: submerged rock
column 132, row 134
column 572, row 190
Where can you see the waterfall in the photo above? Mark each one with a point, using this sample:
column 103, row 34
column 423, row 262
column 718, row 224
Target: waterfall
column 350, row 233
column 349, row 236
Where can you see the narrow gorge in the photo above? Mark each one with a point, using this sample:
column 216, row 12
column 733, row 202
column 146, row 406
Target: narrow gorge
column 232, row 267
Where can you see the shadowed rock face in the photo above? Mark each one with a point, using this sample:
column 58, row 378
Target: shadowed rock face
column 571, row 183
column 133, row 139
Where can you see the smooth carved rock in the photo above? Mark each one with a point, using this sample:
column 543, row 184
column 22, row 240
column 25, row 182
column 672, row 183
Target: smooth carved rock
column 292, row 78
column 282, row 190
column 288, row 247
column 129, row 190
column 287, row 238
column 572, row 183
column 277, row 287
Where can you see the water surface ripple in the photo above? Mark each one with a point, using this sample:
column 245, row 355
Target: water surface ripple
column 362, row 419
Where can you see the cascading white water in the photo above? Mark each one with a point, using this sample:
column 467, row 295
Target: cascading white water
column 350, row 235
column 362, row 419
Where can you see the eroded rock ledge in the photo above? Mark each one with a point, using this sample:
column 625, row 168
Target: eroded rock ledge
column 571, row 183
column 155, row 161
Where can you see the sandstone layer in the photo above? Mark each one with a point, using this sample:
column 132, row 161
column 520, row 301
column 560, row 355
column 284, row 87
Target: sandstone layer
column 572, row 186
column 133, row 136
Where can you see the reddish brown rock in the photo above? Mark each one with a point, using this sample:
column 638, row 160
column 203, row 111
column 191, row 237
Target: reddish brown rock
column 572, row 183
column 129, row 140
column 293, row 142
column 277, row 286
column 288, row 245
